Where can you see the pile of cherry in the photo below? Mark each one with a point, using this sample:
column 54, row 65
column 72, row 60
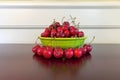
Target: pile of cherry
column 57, row 52
column 63, row 30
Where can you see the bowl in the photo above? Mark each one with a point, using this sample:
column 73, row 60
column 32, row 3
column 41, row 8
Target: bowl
column 62, row 42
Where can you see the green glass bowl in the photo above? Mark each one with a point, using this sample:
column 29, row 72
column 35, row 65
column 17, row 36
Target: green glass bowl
column 62, row 42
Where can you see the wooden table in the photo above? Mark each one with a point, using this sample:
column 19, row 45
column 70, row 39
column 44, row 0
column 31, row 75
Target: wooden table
column 17, row 62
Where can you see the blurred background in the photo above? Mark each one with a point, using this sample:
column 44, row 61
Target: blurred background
column 22, row 21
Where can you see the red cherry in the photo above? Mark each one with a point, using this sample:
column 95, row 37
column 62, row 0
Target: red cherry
column 72, row 27
column 60, row 35
column 51, row 27
column 67, row 33
column 84, row 50
column 78, row 52
column 64, row 27
column 69, row 53
column 40, row 50
column 47, row 30
column 88, row 47
column 59, row 30
column 76, row 31
column 47, row 52
column 66, row 23
column 53, row 33
column 73, row 31
column 50, row 48
column 80, row 34
column 58, row 52
column 57, row 24
column 34, row 49
column 45, row 34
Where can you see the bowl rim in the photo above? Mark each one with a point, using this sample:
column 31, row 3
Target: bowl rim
column 49, row 38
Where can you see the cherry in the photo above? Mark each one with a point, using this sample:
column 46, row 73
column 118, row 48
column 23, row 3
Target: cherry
column 59, row 35
column 50, row 48
column 47, row 52
column 40, row 50
column 78, row 52
column 64, row 27
column 66, row 23
column 51, row 27
column 45, row 34
column 84, row 50
column 57, row 24
column 59, row 30
column 88, row 48
column 69, row 53
column 62, row 35
column 67, row 33
column 72, row 27
column 73, row 31
column 34, row 49
column 80, row 34
column 58, row 52
column 47, row 30
column 76, row 31
column 53, row 32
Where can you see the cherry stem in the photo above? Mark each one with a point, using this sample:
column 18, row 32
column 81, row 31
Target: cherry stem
column 54, row 21
column 36, row 41
column 78, row 25
column 62, row 20
column 73, row 20
column 92, row 40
